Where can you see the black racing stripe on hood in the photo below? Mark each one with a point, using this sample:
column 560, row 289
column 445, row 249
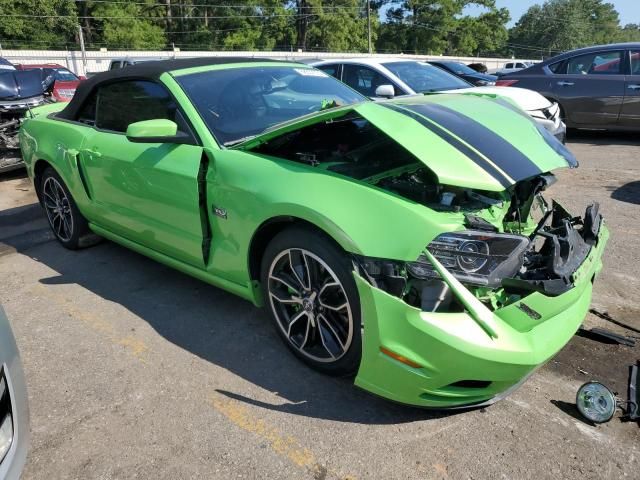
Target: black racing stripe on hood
column 507, row 157
column 457, row 144
column 552, row 141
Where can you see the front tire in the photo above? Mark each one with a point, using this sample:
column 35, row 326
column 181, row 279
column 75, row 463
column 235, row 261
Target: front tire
column 313, row 300
column 67, row 223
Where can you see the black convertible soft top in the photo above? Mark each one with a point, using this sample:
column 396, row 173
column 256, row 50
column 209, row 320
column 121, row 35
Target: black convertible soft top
column 150, row 70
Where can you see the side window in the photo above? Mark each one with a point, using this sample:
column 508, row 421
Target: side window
column 87, row 114
column 115, row 65
column 557, row 68
column 333, row 70
column 635, row 62
column 603, row 63
column 120, row 104
column 364, row 79
column 509, row 65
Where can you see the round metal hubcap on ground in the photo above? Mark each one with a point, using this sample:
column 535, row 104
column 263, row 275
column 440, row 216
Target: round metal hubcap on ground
column 310, row 305
column 58, row 209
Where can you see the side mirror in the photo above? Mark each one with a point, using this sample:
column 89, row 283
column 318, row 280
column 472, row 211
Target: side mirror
column 159, row 130
column 82, row 78
column 386, row 91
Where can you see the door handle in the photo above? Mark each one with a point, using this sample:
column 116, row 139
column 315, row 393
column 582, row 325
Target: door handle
column 634, row 87
column 565, row 84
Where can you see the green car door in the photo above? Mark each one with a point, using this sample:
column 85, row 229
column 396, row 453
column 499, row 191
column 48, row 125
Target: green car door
column 145, row 192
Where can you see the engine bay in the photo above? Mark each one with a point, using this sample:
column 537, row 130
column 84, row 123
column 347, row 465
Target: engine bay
column 353, row 147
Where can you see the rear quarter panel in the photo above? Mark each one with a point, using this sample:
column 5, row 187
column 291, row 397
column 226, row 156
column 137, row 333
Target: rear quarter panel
column 54, row 141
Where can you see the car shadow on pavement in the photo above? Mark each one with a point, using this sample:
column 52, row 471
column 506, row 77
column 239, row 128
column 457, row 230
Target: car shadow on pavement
column 571, row 410
column 212, row 324
column 629, row 193
column 602, row 137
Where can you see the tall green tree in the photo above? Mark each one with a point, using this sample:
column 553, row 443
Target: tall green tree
column 136, row 25
column 629, row 33
column 560, row 25
column 37, row 24
column 439, row 26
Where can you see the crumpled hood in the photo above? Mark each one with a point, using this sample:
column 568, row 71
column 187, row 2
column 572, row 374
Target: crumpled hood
column 18, row 84
column 526, row 99
column 466, row 140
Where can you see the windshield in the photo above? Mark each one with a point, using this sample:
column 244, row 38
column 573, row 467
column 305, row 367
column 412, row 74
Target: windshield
column 459, row 68
column 64, row 75
column 237, row 103
column 424, row 78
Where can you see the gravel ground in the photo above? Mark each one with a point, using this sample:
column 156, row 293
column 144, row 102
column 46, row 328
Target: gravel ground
column 137, row 371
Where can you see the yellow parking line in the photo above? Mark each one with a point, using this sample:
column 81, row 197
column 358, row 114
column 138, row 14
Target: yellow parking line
column 285, row 445
column 134, row 345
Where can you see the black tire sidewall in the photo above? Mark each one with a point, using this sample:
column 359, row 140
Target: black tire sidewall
column 322, row 246
column 80, row 226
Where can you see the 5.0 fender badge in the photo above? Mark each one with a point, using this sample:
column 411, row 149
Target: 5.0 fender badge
column 220, row 212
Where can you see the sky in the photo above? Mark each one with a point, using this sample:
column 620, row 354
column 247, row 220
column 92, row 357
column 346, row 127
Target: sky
column 629, row 10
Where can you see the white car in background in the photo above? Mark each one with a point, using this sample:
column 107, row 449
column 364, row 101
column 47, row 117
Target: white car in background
column 386, row 78
column 511, row 67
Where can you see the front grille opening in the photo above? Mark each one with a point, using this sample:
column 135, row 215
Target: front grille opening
column 471, row 384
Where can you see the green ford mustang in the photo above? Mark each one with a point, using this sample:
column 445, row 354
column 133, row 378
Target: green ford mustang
column 406, row 242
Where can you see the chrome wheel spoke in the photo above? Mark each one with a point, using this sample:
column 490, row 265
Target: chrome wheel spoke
column 295, row 319
column 50, row 197
column 300, row 270
column 329, row 335
column 335, row 309
column 286, row 283
column 306, row 334
column 289, row 300
column 310, row 305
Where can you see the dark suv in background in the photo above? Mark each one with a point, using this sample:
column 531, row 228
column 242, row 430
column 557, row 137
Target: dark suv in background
column 596, row 87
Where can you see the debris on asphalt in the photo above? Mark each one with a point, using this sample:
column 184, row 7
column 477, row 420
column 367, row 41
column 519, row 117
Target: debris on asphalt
column 606, row 336
column 609, row 318
column 633, row 403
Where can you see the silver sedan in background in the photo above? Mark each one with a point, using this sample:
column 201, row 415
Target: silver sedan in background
column 14, row 410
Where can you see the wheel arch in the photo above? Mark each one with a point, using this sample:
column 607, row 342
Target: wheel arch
column 39, row 167
column 273, row 226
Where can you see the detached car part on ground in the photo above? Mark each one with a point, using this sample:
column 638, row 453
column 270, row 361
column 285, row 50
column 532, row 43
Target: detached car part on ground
column 389, row 78
column 14, row 411
column 406, row 242
column 19, row 91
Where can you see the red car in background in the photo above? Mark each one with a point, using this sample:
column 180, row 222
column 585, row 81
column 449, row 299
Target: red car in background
column 66, row 81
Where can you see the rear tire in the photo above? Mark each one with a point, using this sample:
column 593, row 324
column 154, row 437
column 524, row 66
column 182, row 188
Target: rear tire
column 67, row 223
column 313, row 300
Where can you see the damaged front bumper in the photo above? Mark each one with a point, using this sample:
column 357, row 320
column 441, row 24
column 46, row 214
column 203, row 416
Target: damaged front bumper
column 472, row 357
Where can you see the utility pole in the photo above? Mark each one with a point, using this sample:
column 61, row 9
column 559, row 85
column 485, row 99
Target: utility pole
column 369, row 25
column 84, row 53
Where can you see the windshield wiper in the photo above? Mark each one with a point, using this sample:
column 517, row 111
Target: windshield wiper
column 237, row 141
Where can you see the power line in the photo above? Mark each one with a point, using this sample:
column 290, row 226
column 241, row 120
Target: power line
column 164, row 5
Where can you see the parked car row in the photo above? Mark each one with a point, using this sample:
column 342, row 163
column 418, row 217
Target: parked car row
column 596, row 87
column 387, row 78
column 23, row 87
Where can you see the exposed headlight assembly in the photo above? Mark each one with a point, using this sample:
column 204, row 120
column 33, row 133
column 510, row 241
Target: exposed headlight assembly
column 474, row 257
